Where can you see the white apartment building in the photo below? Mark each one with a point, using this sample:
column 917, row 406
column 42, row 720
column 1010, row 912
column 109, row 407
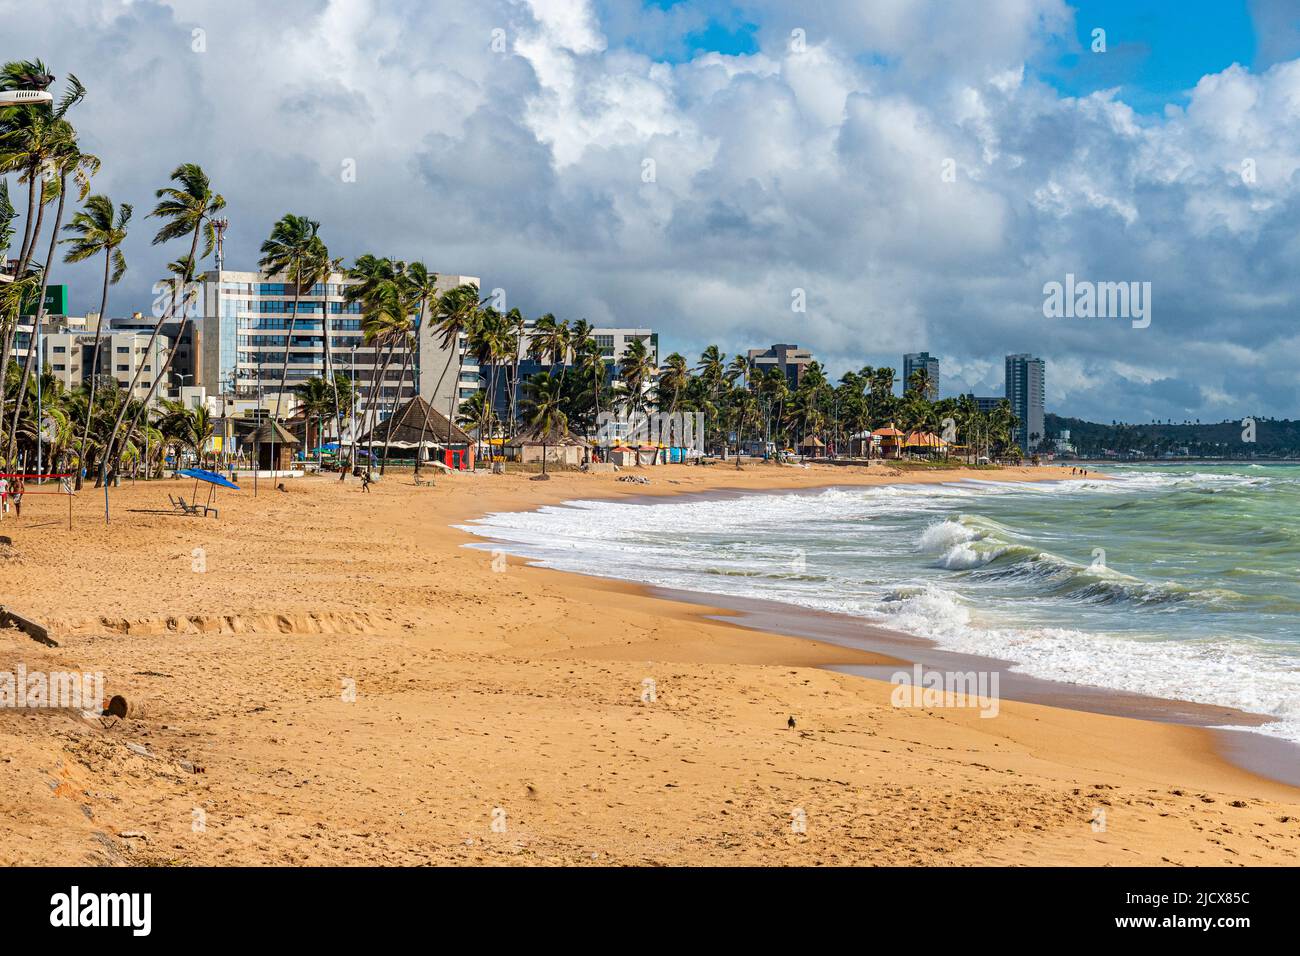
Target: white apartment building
column 70, row 356
column 243, row 321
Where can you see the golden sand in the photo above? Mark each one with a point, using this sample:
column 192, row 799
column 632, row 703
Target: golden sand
column 498, row 717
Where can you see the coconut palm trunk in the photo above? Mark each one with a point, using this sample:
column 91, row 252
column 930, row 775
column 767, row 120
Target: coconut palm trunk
column 33, row 178
column 148, row 350
column 429, row 407
column 32, row 349
column 376, row 385
column 388, row 433
column 142, row 411
column 113, row 443
column 94, row 371
column 284, row 367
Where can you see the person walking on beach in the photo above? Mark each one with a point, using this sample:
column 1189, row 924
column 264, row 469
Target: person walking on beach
column 4, row 495
column 365, row 481
column 19, row 484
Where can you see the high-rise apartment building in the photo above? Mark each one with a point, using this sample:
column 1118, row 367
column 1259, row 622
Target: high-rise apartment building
column 1026, row 392
column 243, row 321
column 790, row 359
column 921, row 361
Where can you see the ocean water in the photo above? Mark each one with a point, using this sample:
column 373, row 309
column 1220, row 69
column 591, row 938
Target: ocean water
column 1178, row 581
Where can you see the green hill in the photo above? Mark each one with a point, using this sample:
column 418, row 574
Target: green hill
column 1273, row 438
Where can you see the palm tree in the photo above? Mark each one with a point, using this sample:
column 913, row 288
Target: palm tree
column 381, row 288
column 183, row 292
column 192, row 427
column 34, row 142
column 637, row 370
column 774, row 388
column 423, row 287
column 738, row 370
column 543, row 407
column 98, row 228
column 318, row 399
column 65, row 159
column 551, row 338
column 188, row 209
column 455, row 316
column 712, row 369
column 7, row 217
column 295, row 252
column 331, row 267
column 492, row 343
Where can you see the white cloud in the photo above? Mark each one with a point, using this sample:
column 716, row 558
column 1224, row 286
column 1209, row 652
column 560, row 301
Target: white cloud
column 820, row 170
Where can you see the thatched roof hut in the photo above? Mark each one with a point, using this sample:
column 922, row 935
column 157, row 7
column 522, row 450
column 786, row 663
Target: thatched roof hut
column 560, row 446
column 407, row 428
column 272, row 431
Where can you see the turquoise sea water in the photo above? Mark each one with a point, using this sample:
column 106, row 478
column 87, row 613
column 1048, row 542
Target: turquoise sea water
column 1179, row 581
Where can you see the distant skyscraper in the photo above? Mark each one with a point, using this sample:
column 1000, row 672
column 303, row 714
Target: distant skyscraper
column 1025, row 390
column 921, row 360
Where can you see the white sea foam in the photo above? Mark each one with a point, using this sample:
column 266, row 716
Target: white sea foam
column 850, row 550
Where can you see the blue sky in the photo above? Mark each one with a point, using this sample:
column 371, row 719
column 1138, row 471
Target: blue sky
column 1157, row 49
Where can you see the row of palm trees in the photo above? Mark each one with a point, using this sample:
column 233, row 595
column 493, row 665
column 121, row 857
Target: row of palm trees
column 740, row 403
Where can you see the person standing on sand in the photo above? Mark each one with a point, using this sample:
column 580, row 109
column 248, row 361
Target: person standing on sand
column 19, row 484
column 4, row 496
column 365, row 481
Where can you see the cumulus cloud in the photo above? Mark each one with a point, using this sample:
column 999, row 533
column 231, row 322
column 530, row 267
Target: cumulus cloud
column 902, row 164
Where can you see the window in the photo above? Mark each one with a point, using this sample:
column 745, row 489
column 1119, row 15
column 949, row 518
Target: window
column 60, row 348
column 124, row 368
column 123, row 349
column 59, row 368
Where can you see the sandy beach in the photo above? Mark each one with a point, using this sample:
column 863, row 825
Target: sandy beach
column 322, row 676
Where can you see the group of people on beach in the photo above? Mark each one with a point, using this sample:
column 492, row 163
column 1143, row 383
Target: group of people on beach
column 11, row 491
column 1078, row 471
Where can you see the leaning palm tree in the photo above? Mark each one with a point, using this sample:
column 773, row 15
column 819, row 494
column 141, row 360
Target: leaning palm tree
column 183, row 293
column 188, row 209
column 381, row 289
column 295, row 252
column 30, row 135
column 64, row 159
column 98, row 228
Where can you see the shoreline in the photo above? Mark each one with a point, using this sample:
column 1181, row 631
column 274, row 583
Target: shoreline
column 1233, row 730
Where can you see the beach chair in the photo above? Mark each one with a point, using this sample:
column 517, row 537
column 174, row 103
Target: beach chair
column 183, row 508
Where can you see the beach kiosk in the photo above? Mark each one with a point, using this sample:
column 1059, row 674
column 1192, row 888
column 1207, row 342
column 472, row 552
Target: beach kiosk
column 811, row 446
column 559, row 448
column 275, row 446
column 891, row 441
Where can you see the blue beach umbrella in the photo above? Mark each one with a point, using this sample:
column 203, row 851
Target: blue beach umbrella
column 211, row 478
